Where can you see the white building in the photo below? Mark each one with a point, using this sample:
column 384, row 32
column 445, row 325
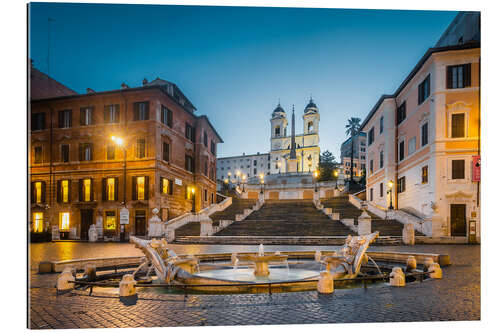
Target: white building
column 248, row 165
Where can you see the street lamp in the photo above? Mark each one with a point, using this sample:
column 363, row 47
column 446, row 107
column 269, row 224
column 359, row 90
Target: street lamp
column 193, row 198
column 238, row 173
column 316, row 174
column 119, row 142
column 243, row 178
column 390, row 184
column 336, row 175
column 261, row 176
column 279, row 167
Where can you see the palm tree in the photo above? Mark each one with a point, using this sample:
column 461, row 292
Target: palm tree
column 352, row 129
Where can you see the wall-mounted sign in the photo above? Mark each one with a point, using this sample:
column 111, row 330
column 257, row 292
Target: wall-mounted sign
column 178, row 181
column 476, row 168
column 124, row 216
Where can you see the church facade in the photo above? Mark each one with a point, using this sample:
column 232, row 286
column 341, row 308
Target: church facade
column 306, row 150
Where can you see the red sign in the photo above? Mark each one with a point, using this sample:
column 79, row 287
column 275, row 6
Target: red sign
column 476, row 168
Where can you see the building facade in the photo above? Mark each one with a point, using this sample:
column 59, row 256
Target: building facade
column 359, row 155
column 141, row 148
column 424, row 139
column 306, row 144
column 248, row 165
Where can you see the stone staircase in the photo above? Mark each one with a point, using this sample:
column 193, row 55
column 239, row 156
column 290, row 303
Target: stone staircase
column 286, row 218
column 237, row 207
column 349, row 211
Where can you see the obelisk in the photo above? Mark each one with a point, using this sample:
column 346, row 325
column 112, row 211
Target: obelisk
column 291, row 163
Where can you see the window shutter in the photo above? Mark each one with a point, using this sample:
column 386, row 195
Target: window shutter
column 69, row 190
column 103, row 190
column 82, row 116
column 467, row 75
column 161, row 185
column 147, row 111
column 169, row 117
column 60, row 119
column 134, row 188
column 80, row 190
column 58, row 196
column 116, row 188
column 146, row 187
column 106, row 114
column 43, row 192
column 117, row 113
column 32, row 192
column 136, row 111
column 449, row 77
column 91, row 151
column 80, row 152
column 170, row 187
column 92, row 117
column 91, row 189
column 70, row 115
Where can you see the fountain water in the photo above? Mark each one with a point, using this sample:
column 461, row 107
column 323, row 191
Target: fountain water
column 261, row 250
column 235, row 265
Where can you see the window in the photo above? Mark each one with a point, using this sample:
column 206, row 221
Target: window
column 140, row 188
column 110, row 189
column 64, row 221
column 189, row 192
column 254, row 162
column 166, row 116
column 112, row 114
column 64, row 191
column 412, row 145
column 205, row 139
column 86, row 116
column 205, row 168
column 190, row 132
column 86, row 190
column 38, row 222
column 381, row 125
column 37, row 121
column 425, row 174
column 141, row 111
column 458, row 76
column 371, row 136
column 424, row 89
column 401, row 150
column 381, row 189
column 458, row 125
column 166, row 152
column 371, row 194
column 424, row 134
column 277, row 131
column 140, row 151
column 110, row 152
column 38, row 154
column 401, row 113
column 381, row 159
column 65, row 153
column 458, row 169
column 166, row 186
column 205, row 195
column 212, row 147
column 310, row 126
column 401, row 184
column 64, row 119
column 110, row 221
column 189, row 163
column 38, row 192
column 254, row 171
column 371, row 166
column 86, row 151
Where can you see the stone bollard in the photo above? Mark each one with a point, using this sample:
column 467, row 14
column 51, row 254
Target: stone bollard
column 411, row 264
column 127, row 285
column 325, row 283
column 64, row 280
column 93, row 235
column 364, row 224
column 409, row 234
column 397, row 277
column 317, row 255
column 435, row 271
column 90, row 272
column 427, row 264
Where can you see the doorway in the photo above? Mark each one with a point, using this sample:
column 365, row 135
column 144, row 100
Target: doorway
column 86, row 220
column 458, row 223
column 140, row 223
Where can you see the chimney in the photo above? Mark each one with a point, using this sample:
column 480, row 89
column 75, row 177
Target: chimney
column 90, row 91
column 125, row 86
column 144, row 82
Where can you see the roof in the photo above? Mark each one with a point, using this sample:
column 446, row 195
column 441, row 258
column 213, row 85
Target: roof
column 211, row 126
column 418, row 66
column 43, row 86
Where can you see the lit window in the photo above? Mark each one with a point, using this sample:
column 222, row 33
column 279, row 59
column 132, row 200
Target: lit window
column 140, row 188
column 38, row 192
column 64, row 221
column 110, row 222
column 111, row 188
column 38, row 222
column 86, row 189
column 165, row 186
column 65, row 190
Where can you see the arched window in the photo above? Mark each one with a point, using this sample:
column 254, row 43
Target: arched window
column 310, row 126
column 277, row 130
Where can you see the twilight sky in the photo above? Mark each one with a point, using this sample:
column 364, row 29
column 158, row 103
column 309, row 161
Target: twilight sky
column 234, row 63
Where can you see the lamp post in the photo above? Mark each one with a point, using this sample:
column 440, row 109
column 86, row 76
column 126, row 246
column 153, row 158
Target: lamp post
column 243, row 178
column 316, row 174
column 336, row 175
column 390, row 184
column 226, row 181
column 238, row 173
column 261, row 176
column 119, row 142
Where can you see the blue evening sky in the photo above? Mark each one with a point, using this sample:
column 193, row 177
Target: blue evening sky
column 234, row 63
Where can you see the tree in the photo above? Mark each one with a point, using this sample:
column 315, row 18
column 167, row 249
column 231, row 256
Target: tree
column 326, row 166
column 352, row 129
